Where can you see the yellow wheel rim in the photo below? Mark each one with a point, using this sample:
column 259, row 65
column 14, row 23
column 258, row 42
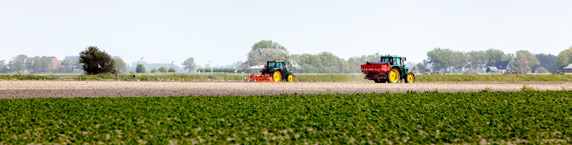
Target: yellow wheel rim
column 393, row 75
column 290, row 78
column 277, row 76
column 410, row 78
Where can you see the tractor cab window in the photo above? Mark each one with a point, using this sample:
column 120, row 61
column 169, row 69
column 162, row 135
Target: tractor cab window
column 384, row 59
column 270, row 64
column 278, row 65
column 397, row 61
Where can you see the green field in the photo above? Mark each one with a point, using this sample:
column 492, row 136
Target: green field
column 299, row 77
column 424, row 118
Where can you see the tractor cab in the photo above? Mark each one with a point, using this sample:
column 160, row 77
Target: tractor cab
column 273, row 65
column 395, row 62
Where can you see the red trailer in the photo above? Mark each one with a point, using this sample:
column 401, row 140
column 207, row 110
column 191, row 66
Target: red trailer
column 375, row 70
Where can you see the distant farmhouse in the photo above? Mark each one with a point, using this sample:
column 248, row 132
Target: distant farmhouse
column 568, row 69
column 500, row 67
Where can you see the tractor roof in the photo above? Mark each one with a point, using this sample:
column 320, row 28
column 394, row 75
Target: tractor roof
column 393, row 56
column 276, row 60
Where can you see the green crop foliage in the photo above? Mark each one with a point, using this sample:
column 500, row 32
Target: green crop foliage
column 419, row 118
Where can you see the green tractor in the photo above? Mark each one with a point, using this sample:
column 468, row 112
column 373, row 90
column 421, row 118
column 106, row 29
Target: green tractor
column 390, row 69
column 274, row 71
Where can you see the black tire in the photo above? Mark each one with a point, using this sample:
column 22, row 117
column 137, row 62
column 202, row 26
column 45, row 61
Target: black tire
column 286, row 77
column 407, row 80
column 389, row 76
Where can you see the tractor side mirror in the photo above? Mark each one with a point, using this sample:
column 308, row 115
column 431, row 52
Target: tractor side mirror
column 404, row 59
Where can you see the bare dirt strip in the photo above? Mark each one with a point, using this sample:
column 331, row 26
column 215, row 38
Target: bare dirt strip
column 41, row 89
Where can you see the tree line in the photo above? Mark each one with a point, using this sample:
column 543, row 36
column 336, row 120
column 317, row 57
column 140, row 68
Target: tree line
column 40, row 64
column 522, row 61
column 95, row 61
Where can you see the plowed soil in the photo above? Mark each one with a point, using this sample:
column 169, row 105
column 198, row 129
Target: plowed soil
column 41, row 89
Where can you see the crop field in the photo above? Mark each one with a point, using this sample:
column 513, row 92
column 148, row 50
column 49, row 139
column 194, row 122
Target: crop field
column 320, row 110
column 424, row 118
column 36, row 89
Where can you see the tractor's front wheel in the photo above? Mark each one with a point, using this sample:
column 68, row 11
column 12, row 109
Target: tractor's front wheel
column 393, row 76
column 277, row 76
column 289, row 77
column 410, row 78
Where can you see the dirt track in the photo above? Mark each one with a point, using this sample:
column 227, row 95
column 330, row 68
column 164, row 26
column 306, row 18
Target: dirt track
column 36, row 89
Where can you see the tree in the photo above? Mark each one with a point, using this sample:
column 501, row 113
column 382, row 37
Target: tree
column 18, row 63
column 3, row 66
column 415, row 69
column 421, row 67
column 140, row 68
column 47, row 64
column 547, row 61
column 525, row 61
column 477, row 59
column 355, row 62
column 441, row 58
column 266, row 44
column 324, row 62
column 564, row 58
column 96, row 61
column 163, row 69
column 266, row 50
column 541, row 70
column 171, row 69
column 71, row 63
column 120, row 65
column 154, row 70
column 494, row 55
column 33, row 64
column 460, row 60
column 189, row 64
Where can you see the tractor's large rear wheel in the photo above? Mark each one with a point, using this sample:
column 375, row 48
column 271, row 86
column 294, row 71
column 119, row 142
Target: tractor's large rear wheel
column 410, row 78
column 393, row 76
column 289, row 77
column 277, row 76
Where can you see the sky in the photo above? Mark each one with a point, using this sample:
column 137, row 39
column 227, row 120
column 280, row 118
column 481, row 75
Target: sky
column 223, row 31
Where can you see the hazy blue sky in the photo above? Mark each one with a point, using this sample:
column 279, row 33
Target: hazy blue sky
column 224, row 31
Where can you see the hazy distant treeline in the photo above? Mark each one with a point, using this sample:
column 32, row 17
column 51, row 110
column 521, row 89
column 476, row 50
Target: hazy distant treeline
column 438, row 59
column 39, row 64
column 522, row 60
column 49, row 64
